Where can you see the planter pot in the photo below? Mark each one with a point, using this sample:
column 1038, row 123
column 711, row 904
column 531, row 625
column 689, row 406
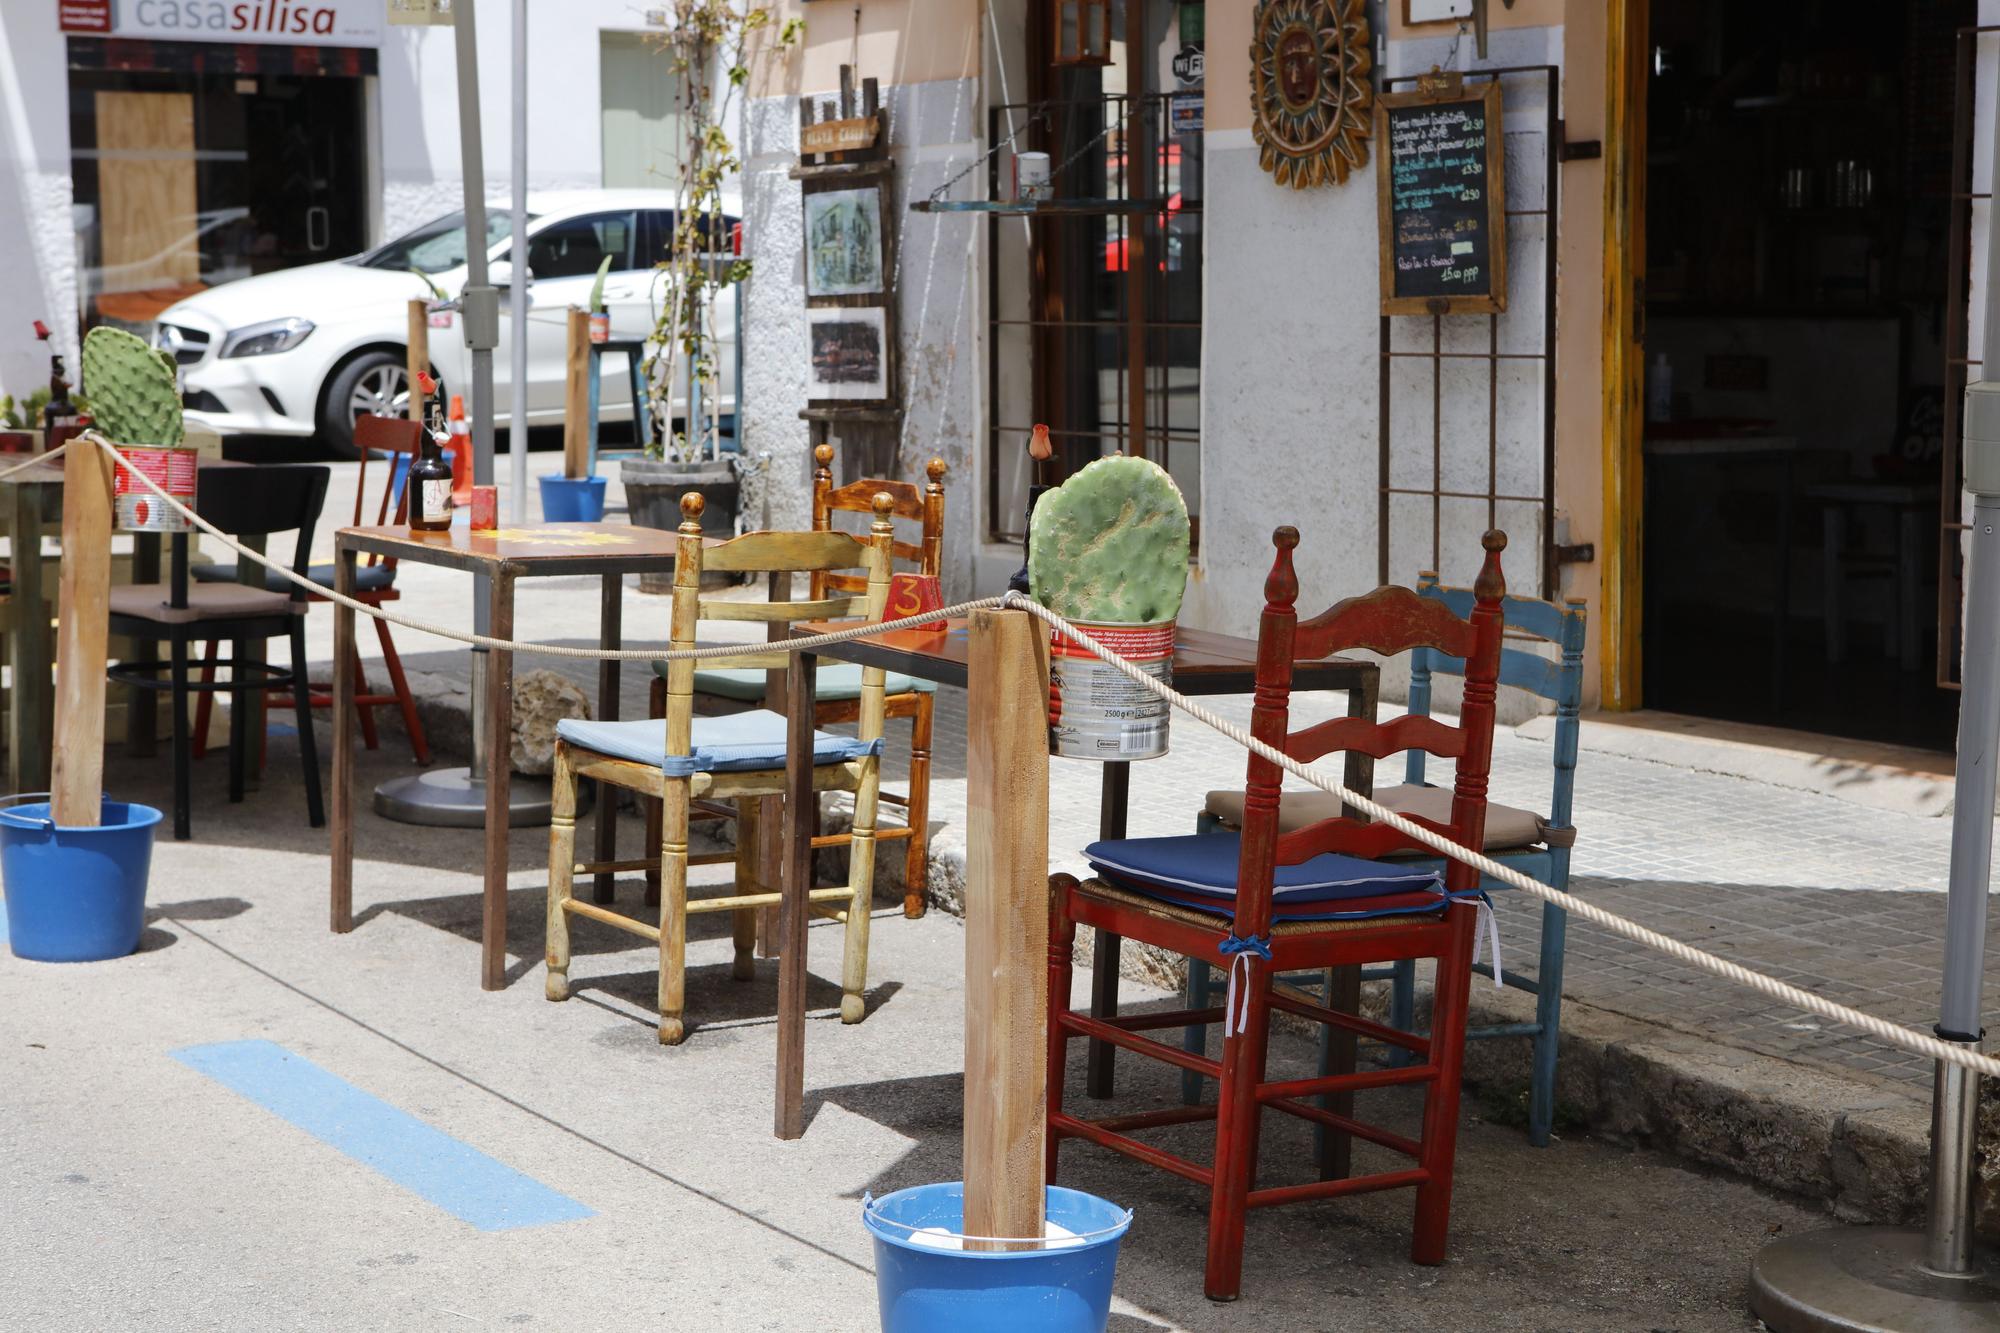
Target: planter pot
column 75, row 895
column 926, row 1279
column 653, row 491
column 1096, row 711
column 572, row 499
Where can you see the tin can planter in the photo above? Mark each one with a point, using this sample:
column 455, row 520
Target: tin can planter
column 1095, row 710
column 135, row 506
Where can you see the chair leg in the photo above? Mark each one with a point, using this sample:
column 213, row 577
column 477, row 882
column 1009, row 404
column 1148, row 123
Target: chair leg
column 1450, row 993
column 239, row 719
column 562, row 872
column 1062, row 963
column 653, row 824
column 1194, row 1037
column 204, row 702
column 743, row 921
column 861, row 886
column 1236, row 1141
column 364, row 713
column 183, row 774
column 302, row 714
column 420, row 745
column 917, row 856
column 1548, row 1017
column 1403, row 1007
column 673, row 910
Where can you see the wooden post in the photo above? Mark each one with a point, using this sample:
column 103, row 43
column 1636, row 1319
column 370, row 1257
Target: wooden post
column 82, row 627
column 419, row 356
column 1006, row 924
column 576, row 395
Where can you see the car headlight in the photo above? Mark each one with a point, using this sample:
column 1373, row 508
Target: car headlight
column 277, row 335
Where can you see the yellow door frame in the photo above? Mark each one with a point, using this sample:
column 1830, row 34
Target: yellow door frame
column 1623, row 548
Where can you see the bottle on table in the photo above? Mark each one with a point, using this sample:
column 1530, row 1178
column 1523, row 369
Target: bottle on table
column 429, row 484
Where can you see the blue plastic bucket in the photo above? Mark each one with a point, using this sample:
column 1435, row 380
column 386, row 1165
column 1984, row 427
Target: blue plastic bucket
column 1063, row 1288
column 572, row 499
column 75, row 895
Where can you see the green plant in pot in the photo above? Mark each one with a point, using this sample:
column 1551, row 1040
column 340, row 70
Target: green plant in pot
column 136, row 404
column 1108, row 550
column 21, row 420
column 682, row 351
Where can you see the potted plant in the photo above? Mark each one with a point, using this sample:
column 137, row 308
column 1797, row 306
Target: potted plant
column 21, row 418
column 706, row 34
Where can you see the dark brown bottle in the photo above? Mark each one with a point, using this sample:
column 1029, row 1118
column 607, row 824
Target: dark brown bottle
column 429, row 486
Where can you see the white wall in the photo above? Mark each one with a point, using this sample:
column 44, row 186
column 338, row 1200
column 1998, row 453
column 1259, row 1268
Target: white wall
column 37, row 240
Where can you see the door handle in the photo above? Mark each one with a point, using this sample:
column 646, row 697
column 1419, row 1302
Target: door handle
column 319, row 229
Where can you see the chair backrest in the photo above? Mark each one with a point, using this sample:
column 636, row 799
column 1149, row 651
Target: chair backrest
column 255, row 501
column 1559, row 680
column 781, row 553
column 392, row 436
column 924, row 505
column 1389, row 620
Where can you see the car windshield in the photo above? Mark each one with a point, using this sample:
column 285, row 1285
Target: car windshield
column 435, row 246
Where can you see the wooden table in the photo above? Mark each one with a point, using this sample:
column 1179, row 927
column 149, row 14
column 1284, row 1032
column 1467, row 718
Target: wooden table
column 1204, row 664
column 549, row 550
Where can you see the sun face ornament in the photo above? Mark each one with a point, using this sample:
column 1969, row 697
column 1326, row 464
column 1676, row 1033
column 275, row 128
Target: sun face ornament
column 1310, row 96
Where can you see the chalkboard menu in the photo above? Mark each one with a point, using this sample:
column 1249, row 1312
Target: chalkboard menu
column 1438, row 155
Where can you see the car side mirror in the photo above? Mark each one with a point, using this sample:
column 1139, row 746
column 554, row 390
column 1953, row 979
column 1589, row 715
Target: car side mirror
column 500, row 273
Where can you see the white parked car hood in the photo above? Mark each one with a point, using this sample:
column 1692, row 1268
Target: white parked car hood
column 318, row 292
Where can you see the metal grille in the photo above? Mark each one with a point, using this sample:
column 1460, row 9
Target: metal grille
column 1457, row 361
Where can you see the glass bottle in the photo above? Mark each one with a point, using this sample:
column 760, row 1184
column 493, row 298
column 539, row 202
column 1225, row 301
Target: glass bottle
column 428, row 489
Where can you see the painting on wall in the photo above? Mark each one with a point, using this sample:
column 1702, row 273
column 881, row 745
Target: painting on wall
column 849, row 354
column 844, row 242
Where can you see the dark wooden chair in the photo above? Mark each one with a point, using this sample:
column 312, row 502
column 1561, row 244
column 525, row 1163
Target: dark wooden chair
column 1314, row 898
column 375, row 584
column 241, row 501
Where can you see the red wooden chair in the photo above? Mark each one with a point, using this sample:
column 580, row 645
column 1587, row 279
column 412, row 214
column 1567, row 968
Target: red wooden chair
column 374, row 584
column 1263, row 903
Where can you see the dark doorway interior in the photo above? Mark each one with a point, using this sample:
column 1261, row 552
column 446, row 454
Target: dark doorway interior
column 1798, row 180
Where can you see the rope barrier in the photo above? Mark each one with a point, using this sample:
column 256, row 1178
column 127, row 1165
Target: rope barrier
column 1893, row 1033
column 38, row 459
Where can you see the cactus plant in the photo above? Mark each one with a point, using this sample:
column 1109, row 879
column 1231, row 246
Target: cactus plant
column 133, row 395
column 1110, row 545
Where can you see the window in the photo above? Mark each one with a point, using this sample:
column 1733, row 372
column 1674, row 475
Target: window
column 437, row 246
column 575, row 248
column 658, row 237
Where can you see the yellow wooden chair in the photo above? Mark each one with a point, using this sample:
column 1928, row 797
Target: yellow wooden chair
column 739, row 757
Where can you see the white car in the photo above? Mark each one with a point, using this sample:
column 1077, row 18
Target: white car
column 306, row 350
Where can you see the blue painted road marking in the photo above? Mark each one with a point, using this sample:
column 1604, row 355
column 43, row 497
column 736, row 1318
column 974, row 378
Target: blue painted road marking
column 427, row 1162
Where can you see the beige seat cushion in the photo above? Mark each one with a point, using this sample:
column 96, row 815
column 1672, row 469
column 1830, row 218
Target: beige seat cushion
column 1506, row 826
column 206, row 601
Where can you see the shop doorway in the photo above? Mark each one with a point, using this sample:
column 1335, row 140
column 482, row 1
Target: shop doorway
column 1792, row 318
column 195, row 165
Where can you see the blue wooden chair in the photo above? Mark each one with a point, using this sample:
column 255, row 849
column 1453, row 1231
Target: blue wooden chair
column 1536, row 846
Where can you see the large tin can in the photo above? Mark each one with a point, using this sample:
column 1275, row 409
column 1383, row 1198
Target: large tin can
column 136, row 507
column 1095, row 710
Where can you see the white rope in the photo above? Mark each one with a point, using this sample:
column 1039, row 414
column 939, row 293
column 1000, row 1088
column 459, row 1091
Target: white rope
column 804, row 644
column 1893, row 1033
column 37, row 460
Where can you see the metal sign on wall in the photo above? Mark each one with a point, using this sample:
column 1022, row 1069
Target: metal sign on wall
column 270, row 22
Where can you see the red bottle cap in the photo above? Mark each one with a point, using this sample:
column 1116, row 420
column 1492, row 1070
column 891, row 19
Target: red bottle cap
column 426, row 383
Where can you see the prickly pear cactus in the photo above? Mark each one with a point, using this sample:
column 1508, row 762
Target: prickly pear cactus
column 1110, row 545
column 133, row 395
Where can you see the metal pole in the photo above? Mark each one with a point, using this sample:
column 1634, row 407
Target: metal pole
column 517, row 291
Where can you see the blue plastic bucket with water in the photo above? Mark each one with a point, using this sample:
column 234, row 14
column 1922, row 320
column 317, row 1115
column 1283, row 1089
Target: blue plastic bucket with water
column 573, row 499
column 75, row 895
column 1064, row 1287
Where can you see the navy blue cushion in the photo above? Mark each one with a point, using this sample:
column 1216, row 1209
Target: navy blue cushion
column 367, row 578
column 737, row 742
column 1199, row 870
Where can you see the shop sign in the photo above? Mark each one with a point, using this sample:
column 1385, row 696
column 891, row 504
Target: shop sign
column 272, row 22
column 1185, row 114
column 84, row 15
column 838, row 136
column 1189, row 65
column 432, row 13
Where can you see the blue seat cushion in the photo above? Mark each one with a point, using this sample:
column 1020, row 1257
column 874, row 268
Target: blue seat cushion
column 367, row 578
column 1199, row 870
column 736, row 743
column 833, row 680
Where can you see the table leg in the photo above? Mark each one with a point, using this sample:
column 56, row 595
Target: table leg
column 800, row 806
column 342, row 819
column 142, row 707
column 1116, row 789
column 610, row 634
column 499, row 779
column 33, row 700
column 251, row 722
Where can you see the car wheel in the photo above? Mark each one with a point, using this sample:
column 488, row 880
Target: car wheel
column 374, row 383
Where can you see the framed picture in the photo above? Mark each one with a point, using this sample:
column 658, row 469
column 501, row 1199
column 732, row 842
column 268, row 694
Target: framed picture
column 844, row 242
column 850, row 354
